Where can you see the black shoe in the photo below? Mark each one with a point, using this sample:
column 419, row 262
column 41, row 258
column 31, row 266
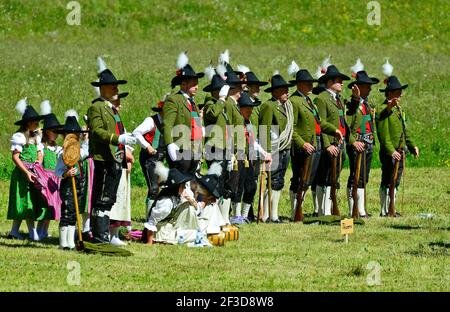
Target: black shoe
column 277, row 221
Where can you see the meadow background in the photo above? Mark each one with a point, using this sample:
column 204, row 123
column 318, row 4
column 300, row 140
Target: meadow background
column 42, row 57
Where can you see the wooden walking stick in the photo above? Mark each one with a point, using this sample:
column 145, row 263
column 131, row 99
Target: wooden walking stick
column 300, row 191
column 261, row 193
column 269, row 187
column 334, row 205
column 391, row 210
column 355, row 211
column 80, row 245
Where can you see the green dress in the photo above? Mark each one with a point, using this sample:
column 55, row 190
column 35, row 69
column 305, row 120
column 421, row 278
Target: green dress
column 49, row 162
column 25, row 201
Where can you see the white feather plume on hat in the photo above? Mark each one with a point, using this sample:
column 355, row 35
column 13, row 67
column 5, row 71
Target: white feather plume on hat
column 46, row 108
column 215, row 169
column 71, row 112
column 101, row 64
column 359, row 66
column 322, row 69
column 210, row 72
column 387, row 68
column 21, row 106
column 182, row 60
column 293, row 68
column 276, row 72
column 161, row 171
column 221, row 71
column 224, row 58
column 243, row 68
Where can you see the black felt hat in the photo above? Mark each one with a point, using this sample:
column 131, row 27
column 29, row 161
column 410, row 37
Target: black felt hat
column 216, row 84
column 246, row 101
column 333, row 73
column 253, row 80
column 392, row 83
column 363, row 78
column 303, row 75
column 277, row 81
column 185, row 73
column 233, row 79
column 107, row 77
column 51, row 122
column 177, row 177
column 30, row 114
column 71, row 125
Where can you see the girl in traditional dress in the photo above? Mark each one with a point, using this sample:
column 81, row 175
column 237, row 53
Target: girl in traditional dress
column 24, row 199
column 51, row 150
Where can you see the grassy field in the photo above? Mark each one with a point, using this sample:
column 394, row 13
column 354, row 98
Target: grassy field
column 286, row 257
column 42, row 57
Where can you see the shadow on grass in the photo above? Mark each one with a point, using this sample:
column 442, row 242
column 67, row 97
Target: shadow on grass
column 439, row 248
column 12, row 242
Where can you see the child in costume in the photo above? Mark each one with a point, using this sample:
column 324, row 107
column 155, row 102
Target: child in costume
column 51, row 150
column 26, row 147
column 68, row 215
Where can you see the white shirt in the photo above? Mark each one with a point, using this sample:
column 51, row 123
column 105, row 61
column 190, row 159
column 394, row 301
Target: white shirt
column 146, row 126
column 61, row 167
column 333, row 94
column 18, row 141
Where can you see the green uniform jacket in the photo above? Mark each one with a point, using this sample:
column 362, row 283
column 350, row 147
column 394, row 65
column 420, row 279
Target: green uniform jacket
column 271, row 113
column 304, row 126
column 103, row 138
column 329, row 117
column 254, row 118
column 355, row 118
column 215, row 112
column 237, row 121
column 176, row 112
column 390, row 131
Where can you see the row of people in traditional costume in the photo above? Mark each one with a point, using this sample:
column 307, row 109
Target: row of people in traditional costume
column 316, row 129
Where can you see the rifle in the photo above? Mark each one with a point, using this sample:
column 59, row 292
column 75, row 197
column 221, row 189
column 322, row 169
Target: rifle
column 269, row 186
column 364, row 181
column 355, row 211
column 261, row 193
column 391, row 211
column 303, row 180
column 334, row 205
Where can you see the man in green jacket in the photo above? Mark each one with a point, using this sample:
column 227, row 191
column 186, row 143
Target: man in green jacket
column 275, row 134
column 218, row 120
column 331, row 111
column 183, row 131
column 307, row 133
column 252, row 86
column 107, row 142
column 361, row 126
column 393, row 137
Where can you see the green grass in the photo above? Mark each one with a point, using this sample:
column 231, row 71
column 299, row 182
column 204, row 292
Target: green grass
column 286, row 257
column 44, row 58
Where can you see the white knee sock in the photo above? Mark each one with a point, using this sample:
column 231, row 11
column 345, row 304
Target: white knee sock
column 71, row 236
column 86, row 222
column 63, row 237
column 275, row 200
column 293, row 197
column 32, row 233
column 246, row 210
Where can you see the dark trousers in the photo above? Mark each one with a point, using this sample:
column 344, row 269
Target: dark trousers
column 148, row 165
column 278, row 173
column 106, row 182
column 187, row 161
column 247, row 184
column 324, row 171
column 352, row 155
column 68, row 213
column 387, row 169
column 298, row 158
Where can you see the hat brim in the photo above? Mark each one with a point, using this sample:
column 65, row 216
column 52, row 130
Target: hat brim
column 307, row 80
column 287, row 85
column 374, row 81
column 157, row 109
column 24, row 121
column 98, row 83
column 259, row 83
column 325, row 78
column 64, row 131
column 52, row 128
column 393, row 89
column 210, row 88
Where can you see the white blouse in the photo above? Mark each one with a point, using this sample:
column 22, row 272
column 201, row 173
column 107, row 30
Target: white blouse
column 18, row 141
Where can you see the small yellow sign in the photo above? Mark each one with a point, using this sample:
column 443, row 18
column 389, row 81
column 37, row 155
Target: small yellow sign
column 347, row 226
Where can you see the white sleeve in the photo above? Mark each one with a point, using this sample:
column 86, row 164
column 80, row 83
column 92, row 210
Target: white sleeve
column 258, row 148
column 146, row 126
column 129, row 148
column 84, row 149
column 40, row 146
column 60, row 166
column 18, row 140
